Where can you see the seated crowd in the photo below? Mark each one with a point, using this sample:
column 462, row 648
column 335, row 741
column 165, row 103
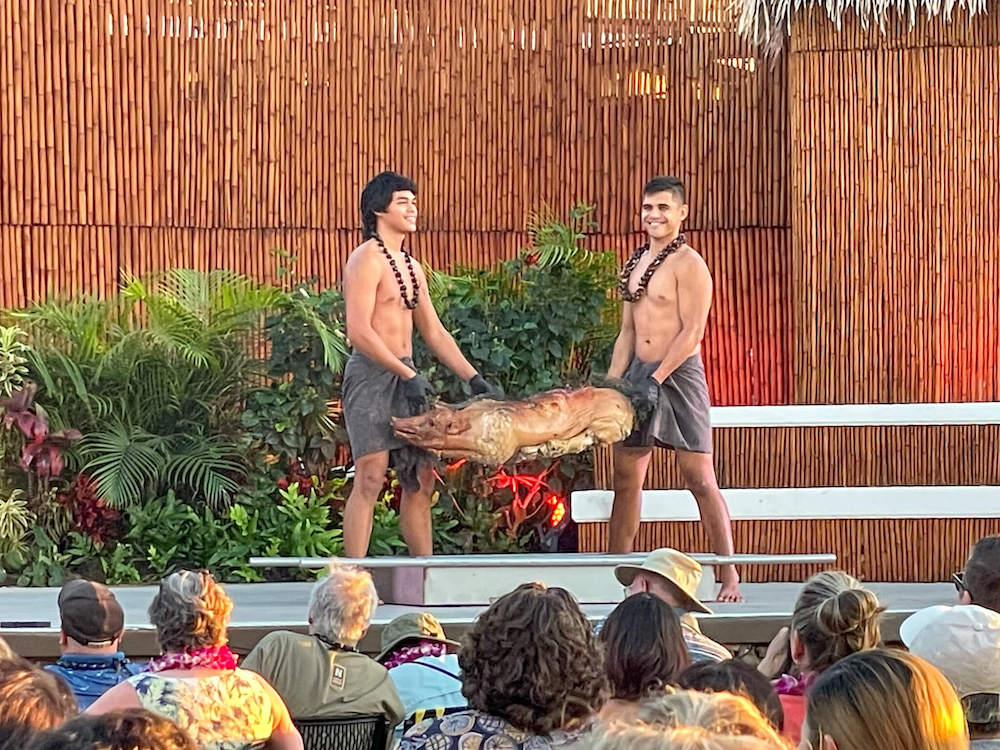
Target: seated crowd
column 532, row 672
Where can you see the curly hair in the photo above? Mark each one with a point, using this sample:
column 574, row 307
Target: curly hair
column 31, row 700
column 190, row 611
column 531, row 658
column 644, row 648
column 126, row 729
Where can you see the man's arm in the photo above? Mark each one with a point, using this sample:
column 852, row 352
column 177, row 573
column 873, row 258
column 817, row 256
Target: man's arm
column 361, row 277
column 621, row 356
column 694, row 299
column 438, row 340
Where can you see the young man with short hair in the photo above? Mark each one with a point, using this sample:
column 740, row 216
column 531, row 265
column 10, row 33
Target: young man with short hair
column 667, row 293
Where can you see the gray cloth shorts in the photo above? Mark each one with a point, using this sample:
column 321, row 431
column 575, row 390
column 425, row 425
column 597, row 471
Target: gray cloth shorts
column 371, row 396
column 681, row 419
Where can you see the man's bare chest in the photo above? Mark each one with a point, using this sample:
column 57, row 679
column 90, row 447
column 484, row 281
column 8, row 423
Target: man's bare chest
column 661, row 284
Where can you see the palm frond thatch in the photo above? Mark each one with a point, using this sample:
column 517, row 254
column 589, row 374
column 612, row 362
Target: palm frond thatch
column 765, row 23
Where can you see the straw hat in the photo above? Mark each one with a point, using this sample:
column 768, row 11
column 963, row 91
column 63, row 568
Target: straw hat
column 673, row 566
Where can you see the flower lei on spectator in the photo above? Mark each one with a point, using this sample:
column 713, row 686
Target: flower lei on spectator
column 208, row 657
column 790, row 685
column 412, row 653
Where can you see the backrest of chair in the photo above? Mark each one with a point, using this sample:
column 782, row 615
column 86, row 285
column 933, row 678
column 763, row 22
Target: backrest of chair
column 344, row 733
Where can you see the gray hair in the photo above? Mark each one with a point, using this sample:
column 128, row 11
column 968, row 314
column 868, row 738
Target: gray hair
column 342, row 604
column 190, row 610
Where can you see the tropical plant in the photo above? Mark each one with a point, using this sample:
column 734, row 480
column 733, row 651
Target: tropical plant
column 532, row 323
column 13, row 359
column 292, row 421
column 16, row 520
column 156, row 378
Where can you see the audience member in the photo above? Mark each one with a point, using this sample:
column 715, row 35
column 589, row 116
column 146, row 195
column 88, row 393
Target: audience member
column 964, row 643
column 92, row 627
column 690, row 720
column 31, row 701
column 532, row 672
column 833, row 617
column 196, row 682
column 885, row 700
column 323, row 674
column 128, row 729
column 979, row 583
column 674, row 577
column 739, row 678
column 416, row 653
column 644, row 652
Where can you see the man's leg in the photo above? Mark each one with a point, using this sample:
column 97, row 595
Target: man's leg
column 629, row 474
column 415, row 515
column 699, row 477
column 369, row 478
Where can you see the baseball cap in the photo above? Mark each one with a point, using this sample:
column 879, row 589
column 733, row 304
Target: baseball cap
column 90, row 613
column 962, row 641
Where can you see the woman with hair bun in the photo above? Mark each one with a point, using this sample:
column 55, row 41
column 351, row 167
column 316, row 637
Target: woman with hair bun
column 834, row 617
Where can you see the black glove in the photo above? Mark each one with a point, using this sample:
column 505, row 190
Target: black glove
column 480, row 386
column 644, row 396
column 417, row 392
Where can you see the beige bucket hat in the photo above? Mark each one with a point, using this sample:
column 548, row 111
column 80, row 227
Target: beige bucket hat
column 673, row 566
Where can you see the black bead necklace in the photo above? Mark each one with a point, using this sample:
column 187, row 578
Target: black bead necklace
column 410, row 302
column 626, row 274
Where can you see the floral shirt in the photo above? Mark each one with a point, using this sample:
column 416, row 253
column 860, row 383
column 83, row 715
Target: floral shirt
column 228, row 711
column 473, row 730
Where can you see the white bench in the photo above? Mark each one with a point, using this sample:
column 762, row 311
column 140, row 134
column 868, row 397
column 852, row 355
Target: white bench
column 589, row 506
column 808, row 503
column 856, row 415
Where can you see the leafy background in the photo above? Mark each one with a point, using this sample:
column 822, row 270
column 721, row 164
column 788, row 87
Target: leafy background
column 193, row 419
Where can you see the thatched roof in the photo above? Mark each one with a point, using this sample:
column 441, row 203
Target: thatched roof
column 765, row 22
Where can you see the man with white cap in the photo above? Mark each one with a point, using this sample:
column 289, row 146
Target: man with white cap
column 674, row 577
column 964, row 643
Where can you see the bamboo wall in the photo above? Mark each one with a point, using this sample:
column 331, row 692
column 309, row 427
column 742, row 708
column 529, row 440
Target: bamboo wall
column 895, row 227
column 843, row 195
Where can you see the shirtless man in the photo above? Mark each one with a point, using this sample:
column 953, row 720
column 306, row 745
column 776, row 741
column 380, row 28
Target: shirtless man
column 385, row 293
column 667, row 290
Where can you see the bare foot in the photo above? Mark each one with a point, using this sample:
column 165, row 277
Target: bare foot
column 730, row 591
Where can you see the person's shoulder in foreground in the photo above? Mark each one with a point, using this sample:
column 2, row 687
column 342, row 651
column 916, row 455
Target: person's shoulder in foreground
column 472, row 728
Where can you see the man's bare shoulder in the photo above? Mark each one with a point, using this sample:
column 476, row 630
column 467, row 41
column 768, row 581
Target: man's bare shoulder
column 688, row 262
column 364, row 256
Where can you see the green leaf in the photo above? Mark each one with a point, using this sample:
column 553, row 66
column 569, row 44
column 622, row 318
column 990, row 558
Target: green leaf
column 124, row 463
